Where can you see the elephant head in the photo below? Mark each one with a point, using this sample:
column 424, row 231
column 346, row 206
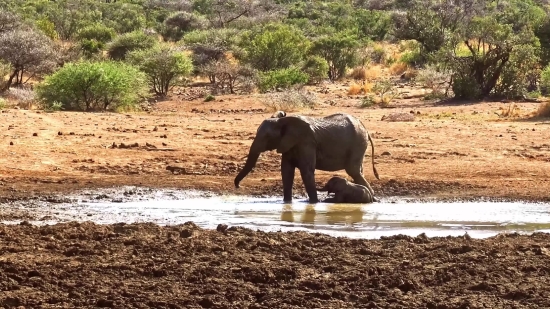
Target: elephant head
column 335, row 184
column 281, row 133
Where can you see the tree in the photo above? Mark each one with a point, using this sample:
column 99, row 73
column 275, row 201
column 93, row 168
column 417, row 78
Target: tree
column 274, row 46
column 492, row 39
column 229, row 76
column 27, row 51
column 163, row 65
column 127, row 42
column 433, row 23
column 339, row 50
column 176, row 25
column 210, row 45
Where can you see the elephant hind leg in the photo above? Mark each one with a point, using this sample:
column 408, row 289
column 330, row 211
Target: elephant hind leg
column 358, row 177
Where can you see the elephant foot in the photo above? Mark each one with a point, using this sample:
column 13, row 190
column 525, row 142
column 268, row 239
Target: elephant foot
column 313, row 200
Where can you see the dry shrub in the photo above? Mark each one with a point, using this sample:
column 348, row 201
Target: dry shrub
column 290, row 100
column 511, row 111
column 398, row 117
column 386, row 91
column 24, row 97
column 373, row 73
column 367, row 87
column 358, row 73
column 410, row 74
column 354, row 89
column 543, row 110
column 398, row 68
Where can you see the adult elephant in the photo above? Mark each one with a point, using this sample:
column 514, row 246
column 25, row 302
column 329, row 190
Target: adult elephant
column 331, row 143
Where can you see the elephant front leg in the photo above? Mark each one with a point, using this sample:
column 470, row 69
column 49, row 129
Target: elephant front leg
column 287, row 173
column 307, row 171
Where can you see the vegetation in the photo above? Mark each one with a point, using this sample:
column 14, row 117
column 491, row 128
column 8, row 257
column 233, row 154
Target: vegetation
column 92, row 86
column 473, row 49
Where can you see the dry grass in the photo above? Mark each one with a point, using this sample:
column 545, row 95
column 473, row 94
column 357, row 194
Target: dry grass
column 512, row 111
column 373, row 73
column 398, row 68
column 354, row 89
column 543, row 110
column 367, row 87
column 358, row 73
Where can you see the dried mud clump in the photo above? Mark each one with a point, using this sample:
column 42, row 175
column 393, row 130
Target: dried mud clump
column 85, row 265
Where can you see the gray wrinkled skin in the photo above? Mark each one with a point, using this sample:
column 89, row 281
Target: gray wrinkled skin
column 332, row 143
column 347, row 192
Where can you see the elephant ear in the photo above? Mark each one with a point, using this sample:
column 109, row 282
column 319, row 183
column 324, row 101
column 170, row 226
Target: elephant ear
column 293, row 131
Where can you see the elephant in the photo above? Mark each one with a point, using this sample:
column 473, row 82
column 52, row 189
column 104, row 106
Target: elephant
column 346, row 192
column 332, row 143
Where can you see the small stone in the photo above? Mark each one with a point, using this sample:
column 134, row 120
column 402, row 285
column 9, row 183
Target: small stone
column 386, row 153
column 11, row 143
column 186, row 233
column 221, row 228
column 105, row 303
column 35, row 134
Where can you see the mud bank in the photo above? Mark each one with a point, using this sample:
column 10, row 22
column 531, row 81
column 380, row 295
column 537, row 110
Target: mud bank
column 145, row 265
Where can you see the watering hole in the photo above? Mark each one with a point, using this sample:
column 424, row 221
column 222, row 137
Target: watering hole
column 388, row 217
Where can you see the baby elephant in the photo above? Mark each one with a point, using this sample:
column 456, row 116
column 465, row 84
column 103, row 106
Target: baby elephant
column 346, row 192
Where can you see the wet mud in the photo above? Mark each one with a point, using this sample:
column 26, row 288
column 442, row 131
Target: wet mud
column 85, row 265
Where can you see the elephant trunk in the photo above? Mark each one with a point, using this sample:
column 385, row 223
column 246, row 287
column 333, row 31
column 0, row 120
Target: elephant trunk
column 250, row 163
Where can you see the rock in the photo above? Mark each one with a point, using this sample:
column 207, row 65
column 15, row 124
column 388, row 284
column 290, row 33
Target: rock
column 186, row 233
column 386, row 153
column 105, row 303
column 221, row 228
column 35, row 134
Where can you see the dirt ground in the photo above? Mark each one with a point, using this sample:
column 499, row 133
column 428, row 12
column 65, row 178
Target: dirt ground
column 146, row 266
column 448, row 151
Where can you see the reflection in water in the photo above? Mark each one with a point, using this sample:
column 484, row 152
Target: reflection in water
column 346, row 214
column 309, row 214
column 287, row 214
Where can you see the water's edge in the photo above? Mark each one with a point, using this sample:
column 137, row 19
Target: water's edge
column 390, row 216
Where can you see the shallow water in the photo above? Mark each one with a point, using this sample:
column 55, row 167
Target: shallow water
column 478, row 219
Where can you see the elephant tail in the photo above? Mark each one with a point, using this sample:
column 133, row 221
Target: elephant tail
column 372, row 158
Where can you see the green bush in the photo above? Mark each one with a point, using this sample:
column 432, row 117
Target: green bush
column 90, row 47
column 339, row 50
column 316, row 67
column 128, row 42
column 97, row 32
column 163, row 66
column 275, row 46
column 465, row 87
column 519, row 73
column 93, row 86
column 47, row 27
column 545, row 80
column 282, row 78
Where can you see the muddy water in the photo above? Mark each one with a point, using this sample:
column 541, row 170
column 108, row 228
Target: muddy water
column 478, row 219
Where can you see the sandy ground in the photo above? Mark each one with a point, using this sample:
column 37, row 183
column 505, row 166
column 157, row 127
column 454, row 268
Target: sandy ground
column 146, row 266
column 448, row 151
